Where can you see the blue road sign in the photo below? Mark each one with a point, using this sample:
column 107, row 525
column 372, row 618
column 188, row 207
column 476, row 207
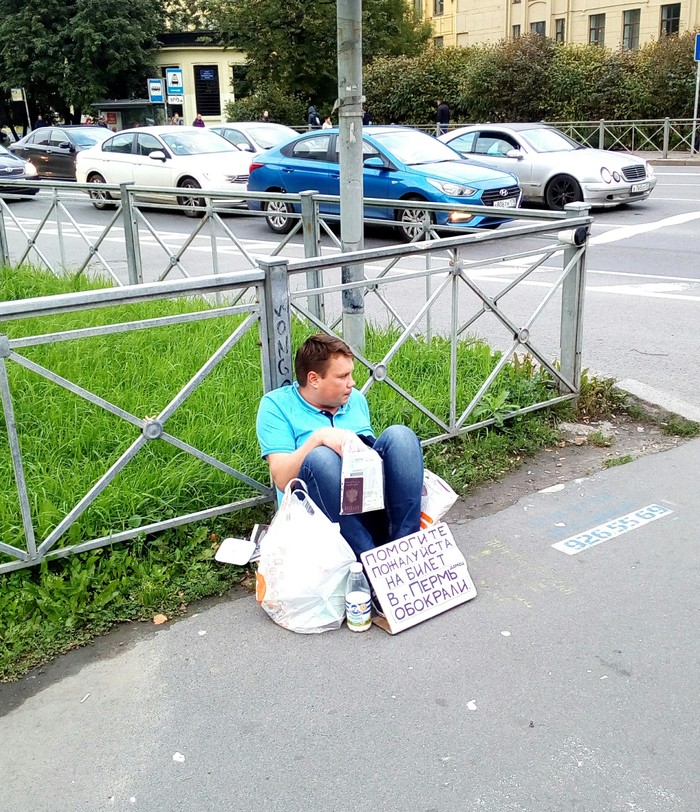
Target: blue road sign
column 173, row 81
column 697, row 47
column 155, row 91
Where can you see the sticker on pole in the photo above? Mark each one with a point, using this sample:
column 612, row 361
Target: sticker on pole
column 417, row 577
column 612, row 529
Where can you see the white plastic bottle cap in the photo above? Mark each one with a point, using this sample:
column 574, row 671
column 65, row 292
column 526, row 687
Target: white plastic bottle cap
column 356, row 566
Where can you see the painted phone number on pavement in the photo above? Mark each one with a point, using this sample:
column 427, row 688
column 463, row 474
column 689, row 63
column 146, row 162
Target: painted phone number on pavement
column 612, row 529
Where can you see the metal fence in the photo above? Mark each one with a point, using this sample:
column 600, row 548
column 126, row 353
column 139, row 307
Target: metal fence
column 663, row 135
column 420, row 289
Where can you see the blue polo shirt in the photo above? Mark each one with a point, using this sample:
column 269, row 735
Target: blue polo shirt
column 286, row 421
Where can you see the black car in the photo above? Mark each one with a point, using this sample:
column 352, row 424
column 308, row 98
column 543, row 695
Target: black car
column 52, row 150
column 14, row 168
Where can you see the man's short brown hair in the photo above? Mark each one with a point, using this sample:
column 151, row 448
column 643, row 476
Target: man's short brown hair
column 315, row 355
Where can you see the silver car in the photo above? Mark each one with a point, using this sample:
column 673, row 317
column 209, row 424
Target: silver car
column 553, row 168
column 255, row 136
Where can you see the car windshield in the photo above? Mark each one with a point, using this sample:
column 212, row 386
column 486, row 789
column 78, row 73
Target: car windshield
column 413, row 147
column 267, row 136
column 196, row 143
column 86, row 138
column 545, row 139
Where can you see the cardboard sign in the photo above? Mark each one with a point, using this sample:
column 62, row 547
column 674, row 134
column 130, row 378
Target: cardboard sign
column 417, row 577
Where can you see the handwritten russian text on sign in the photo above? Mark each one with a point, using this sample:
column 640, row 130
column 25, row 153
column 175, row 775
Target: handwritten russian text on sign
column 418, row 576
column 612, row 529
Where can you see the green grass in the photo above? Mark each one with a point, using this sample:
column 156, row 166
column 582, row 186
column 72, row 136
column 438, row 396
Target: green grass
column 615, row 461
column 67, row 444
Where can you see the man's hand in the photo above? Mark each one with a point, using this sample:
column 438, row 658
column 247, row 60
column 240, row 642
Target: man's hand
column 334, row 438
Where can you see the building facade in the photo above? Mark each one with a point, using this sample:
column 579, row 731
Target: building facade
column 208, row 74
column 615, row 24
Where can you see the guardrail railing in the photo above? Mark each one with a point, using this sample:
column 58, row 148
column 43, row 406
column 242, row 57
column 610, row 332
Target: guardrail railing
column 445, row 287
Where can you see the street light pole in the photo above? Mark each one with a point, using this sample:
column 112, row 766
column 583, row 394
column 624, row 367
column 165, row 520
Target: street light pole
column 349, row 24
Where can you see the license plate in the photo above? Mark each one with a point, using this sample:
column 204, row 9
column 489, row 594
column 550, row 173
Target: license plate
column 508, row 203
column 640, row 187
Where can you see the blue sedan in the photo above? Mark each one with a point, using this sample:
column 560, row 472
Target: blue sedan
column 399, row 164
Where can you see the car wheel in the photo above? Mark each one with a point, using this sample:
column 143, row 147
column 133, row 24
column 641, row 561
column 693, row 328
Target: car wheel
column 411, row 221
column 278, row 219
column 562, row 189
column 100, row 200
column 194, row 206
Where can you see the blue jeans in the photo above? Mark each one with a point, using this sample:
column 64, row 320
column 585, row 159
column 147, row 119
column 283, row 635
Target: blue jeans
column 402, row 458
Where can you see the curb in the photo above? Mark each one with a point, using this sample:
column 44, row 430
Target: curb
column 658, row 399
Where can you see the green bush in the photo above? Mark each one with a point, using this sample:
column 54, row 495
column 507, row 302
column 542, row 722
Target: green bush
column 532, row 78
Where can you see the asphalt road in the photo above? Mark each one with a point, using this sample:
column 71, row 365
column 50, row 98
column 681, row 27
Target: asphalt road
column 642, row 295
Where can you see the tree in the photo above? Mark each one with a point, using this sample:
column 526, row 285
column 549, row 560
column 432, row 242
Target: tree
column 74, row 52
column 293, row 42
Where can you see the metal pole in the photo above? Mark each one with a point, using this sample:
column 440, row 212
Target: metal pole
column 4, row 245
column 133, row 252
column 601, row 134
column 312, row 248
column 695, row 111
column 349, row 23
column 59, row 229
column 275, row 328
column 572, row 295
column 667, row 133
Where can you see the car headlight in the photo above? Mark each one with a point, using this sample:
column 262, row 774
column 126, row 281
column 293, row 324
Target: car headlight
column 605, row 174
column 650, row 170
column 30, row 170
column 617, row 177
column 452, row 189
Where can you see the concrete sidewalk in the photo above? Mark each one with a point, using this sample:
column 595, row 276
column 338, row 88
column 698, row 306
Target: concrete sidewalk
column 569, row 683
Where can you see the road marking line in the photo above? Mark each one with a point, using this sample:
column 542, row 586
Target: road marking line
column 612, row 529
column 626, row 232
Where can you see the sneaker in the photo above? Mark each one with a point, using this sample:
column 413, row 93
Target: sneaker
column 376, row 606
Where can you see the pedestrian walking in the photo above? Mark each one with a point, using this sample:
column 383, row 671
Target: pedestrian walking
column 176, row 120
column 327, row 123
column 442, row 117
column 313, row 119
column 198, row 122
column 266, row 116
column 40, row 122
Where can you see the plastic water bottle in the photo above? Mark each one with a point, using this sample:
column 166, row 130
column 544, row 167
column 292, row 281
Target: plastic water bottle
column 358, row 605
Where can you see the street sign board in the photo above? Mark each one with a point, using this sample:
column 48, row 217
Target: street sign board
column 176, row 99
column 173, row 81
column 17, row 94
column 155, row 91
column 697, row 47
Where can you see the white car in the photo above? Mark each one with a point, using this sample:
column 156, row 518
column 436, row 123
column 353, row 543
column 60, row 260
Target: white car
column 553, row 168
column 170, row 157
column 255, row 136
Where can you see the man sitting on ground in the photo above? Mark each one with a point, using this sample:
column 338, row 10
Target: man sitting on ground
column 301, row 429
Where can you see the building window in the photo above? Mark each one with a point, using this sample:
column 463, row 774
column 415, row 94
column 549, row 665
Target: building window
column 516, row 1
column 630, row 29
column 670, row 19
column 439, row 42
column 206, row 89
column 560, row 30
column 537, row 28
column 516, row 31
column 596, row 29
column 418, row 8
column 438, row 8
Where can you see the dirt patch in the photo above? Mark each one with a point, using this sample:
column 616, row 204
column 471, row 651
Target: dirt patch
column 586, row 449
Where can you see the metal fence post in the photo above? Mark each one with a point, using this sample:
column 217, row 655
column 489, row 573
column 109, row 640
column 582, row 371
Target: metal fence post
column 4, row 246
column 312, row 248
column 572, row 296
column 131, row 237
column 667, row 133
column 275, row 327
column 601, row 134
column 59, row 229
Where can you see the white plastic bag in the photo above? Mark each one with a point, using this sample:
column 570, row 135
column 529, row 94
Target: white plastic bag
column 303, row 568
column 361, row 478
column 436, row 499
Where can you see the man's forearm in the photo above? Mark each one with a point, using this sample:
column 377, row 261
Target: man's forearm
column 284, row 467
